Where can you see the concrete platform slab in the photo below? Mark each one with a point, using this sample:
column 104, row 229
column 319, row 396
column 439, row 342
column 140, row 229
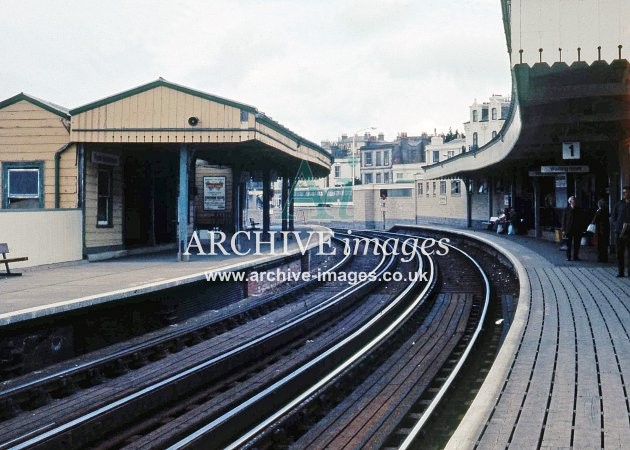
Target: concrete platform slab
column 57, row 288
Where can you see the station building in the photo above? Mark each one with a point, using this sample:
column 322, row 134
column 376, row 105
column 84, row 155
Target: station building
column 121, row 173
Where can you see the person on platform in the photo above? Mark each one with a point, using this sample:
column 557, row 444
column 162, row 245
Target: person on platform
column 621, row 223
column 602, row 230
column 572, row 228
column 503, row 222
column 515, row 221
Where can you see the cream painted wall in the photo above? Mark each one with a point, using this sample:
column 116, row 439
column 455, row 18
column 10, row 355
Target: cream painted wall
column 45, row 236
column 569, row 24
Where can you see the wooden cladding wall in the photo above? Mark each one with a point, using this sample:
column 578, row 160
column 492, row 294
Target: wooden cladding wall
column 96, row 236
column 160, row 115
column 30, row 133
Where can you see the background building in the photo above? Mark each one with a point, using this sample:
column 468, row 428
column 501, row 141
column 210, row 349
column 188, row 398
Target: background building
column 378, row 158
column 346, row 152
column 486, row 120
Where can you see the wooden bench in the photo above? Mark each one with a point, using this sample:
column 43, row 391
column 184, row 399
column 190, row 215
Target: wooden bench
column 4, row 249
column 253, row 224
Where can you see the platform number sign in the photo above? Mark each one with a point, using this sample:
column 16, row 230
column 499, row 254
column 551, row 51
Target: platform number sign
column 570, row 150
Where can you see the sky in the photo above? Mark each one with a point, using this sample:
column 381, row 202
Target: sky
column 321, row 68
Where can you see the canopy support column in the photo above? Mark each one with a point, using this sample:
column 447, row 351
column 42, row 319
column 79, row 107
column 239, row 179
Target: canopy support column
column 285, row 195
column 266, row 218
column 182, row 203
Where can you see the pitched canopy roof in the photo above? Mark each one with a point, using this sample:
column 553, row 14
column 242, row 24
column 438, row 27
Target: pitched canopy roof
column 48, row 106
column 161, row 82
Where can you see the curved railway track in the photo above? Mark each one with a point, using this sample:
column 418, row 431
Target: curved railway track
column 33, row 390
column 364, row 365
column 379, row 396
column 289, row 323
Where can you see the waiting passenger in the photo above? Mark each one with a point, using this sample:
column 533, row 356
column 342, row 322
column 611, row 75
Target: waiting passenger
column 572, row 228
column 621, row 222
column 503, row 222
column 515, row 222
column 602, row 230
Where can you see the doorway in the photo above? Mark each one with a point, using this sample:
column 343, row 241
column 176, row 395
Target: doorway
column 150, row 199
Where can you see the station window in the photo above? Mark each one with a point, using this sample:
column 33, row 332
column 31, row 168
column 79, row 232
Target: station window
column 368, row 178
column 386, row 157
column 399, row 192
column 368, row 158
column 420, row 189
column 494, row 114
column 442, row 187
column 104, row 205
column 451, row 153
column 494, row 134
column 434, row 188
column 436, row 156
column 427, row 188
column 23, row 185
column 386, row 177
column 475, row 116
column 378, row 178
column 337, row 171
column 484, row 114
column 455, row 188
column 244, row 116
column 378, row 158
column 475, row 140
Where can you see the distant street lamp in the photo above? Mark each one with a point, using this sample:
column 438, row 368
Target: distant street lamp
column 353, row 157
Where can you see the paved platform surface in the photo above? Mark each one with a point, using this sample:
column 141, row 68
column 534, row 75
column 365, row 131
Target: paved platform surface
column 561, row 377
column 57, row 288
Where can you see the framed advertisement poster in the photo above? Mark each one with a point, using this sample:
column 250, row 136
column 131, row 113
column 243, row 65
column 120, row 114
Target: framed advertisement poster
column 213, row 193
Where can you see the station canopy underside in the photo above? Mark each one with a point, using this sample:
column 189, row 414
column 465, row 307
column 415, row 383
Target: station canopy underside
column 252, row 157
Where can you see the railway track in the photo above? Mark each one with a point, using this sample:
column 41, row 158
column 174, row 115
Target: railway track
column 366, row 366
column 298, row 318
column 33, row 390
column 379, row 396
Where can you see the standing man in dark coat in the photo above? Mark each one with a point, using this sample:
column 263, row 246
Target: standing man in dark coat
column 602, row 229
column 621, row 215
column 572, row 228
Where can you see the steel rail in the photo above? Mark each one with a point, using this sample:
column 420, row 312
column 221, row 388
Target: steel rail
column 58, row 429
column 415, row 430
column 420, row 298
column 143, row 346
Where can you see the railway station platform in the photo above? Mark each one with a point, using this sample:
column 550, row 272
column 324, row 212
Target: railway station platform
column 52, row 289
column 560, row 378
